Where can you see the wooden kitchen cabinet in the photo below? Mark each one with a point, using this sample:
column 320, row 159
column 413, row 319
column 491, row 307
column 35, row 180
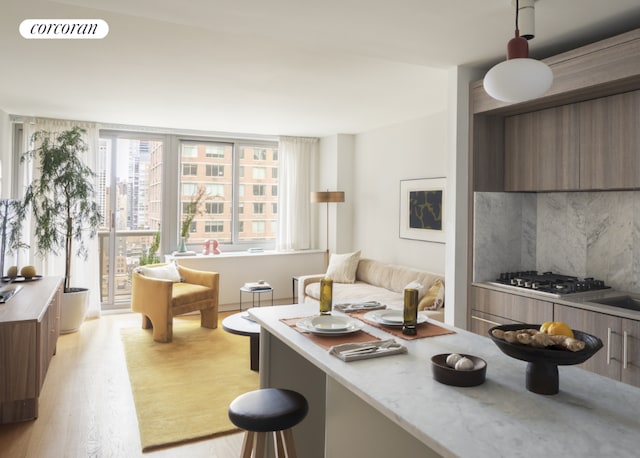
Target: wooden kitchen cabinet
column 590, row 145
column 619, row 359
column 491, row 308
column 541, row 150
column 610, row 141
column 29, row 328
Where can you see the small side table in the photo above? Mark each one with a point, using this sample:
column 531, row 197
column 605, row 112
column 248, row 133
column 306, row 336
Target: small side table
column 240, row 325
column 253, row 293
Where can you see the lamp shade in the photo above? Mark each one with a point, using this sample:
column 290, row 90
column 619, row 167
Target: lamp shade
column 518, row 80
column 326, row 196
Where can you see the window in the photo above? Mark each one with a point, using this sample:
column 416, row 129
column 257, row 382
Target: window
column 214, row 170
column 259, row 154
column 214, row 208
column 214, row 151
column 189, row 169
column 215, row 190
column 259, row 173
column 236, row 189
column 189, row 151
column 214, row 227
column 189, row 189
column 274, row 209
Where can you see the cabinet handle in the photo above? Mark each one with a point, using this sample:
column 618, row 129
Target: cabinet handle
column 608, row 346
column 485, row 321
column 625, row 349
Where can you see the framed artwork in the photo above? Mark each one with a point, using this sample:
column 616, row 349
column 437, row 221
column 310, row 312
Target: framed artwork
column 422, row 209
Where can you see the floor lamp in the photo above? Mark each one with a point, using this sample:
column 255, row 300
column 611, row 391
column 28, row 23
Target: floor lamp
column 326, row 198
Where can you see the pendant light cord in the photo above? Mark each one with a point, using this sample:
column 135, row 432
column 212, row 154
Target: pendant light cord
column 517, row 12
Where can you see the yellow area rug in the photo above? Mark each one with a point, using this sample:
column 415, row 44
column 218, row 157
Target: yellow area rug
column 182, row 390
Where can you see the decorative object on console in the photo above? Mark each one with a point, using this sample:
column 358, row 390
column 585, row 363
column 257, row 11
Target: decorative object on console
column 519, row 78
column 211, row 246
column 422, row 209
column 326, row 198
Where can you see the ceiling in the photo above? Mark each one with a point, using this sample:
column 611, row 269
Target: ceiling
column 277, row 67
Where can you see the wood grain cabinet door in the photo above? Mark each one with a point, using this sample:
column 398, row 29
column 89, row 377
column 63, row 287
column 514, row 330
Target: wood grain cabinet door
column 542, row 151
column 608, row 360
column 631, row 352
column 610, row 142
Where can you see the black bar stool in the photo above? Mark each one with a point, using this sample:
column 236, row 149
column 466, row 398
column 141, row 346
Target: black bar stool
column 268, row 410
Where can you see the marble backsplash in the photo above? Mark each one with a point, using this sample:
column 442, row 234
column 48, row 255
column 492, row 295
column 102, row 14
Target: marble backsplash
column 588, row 234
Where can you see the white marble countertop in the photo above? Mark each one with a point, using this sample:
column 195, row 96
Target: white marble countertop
column 591, row 416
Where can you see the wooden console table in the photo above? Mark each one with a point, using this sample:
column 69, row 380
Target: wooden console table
column 29, row 329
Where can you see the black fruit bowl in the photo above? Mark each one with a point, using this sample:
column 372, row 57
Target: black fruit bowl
column 449, row 376
column 542, row 370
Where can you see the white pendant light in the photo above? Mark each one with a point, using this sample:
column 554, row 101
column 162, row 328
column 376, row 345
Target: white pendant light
column 519, row 78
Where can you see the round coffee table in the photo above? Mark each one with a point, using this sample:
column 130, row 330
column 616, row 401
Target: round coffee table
column 241, row 325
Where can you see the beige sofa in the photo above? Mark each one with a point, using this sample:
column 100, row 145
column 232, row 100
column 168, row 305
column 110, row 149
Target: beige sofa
column 376, row 281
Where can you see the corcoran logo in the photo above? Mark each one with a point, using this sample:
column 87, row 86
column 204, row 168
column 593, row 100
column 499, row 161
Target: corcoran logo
column 64, row 29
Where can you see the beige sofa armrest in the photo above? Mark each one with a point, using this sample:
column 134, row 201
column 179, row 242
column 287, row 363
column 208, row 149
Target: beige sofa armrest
column 303, row 281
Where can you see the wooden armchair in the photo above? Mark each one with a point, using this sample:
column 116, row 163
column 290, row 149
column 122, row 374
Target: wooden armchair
column 159, row 300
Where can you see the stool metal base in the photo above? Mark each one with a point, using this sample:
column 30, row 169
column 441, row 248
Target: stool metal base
column 255, row 444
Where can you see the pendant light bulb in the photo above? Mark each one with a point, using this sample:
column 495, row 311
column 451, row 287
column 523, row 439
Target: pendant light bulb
column 519, row 78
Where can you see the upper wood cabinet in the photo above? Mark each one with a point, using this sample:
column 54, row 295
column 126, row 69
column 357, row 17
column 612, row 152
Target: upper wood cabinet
column 583, row 146
column 610, row 142
column 541, row 150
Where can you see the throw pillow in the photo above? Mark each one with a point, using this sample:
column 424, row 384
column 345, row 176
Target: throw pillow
column 342, row 267
column 434, row 298
column 166, row 272
column 416, row 285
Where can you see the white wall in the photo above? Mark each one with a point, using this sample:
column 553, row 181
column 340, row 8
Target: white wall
column 383, row 157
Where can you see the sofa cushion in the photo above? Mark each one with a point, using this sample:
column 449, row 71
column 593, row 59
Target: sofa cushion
column 187, row 293
column 342, row 267
column 434, row 298
column 161, row 272
column 374, row 273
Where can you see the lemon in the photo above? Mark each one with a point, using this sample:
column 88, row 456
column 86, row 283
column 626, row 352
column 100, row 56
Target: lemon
column 545, row 326
column 12, row 272
column 557, row 328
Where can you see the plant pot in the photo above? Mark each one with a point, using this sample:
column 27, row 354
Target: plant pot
column 74, row 309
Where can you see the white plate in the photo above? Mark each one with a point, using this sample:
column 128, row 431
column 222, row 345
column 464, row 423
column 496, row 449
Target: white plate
column 390, row 317
column 330, row 323
column 346, row 325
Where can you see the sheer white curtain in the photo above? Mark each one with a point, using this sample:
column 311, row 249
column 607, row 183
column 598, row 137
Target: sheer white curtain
column 85, row 273
column 295, row 156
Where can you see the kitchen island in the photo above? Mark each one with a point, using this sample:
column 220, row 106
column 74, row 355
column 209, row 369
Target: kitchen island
column 392, row 406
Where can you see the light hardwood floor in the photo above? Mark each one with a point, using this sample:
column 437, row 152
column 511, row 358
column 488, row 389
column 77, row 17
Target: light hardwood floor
column 86, row 405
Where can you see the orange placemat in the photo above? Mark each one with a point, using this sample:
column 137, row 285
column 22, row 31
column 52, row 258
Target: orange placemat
column 426, row 329
column 329, row 341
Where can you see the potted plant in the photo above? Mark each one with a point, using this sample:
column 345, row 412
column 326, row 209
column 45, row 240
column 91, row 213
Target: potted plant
column 63, row 207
